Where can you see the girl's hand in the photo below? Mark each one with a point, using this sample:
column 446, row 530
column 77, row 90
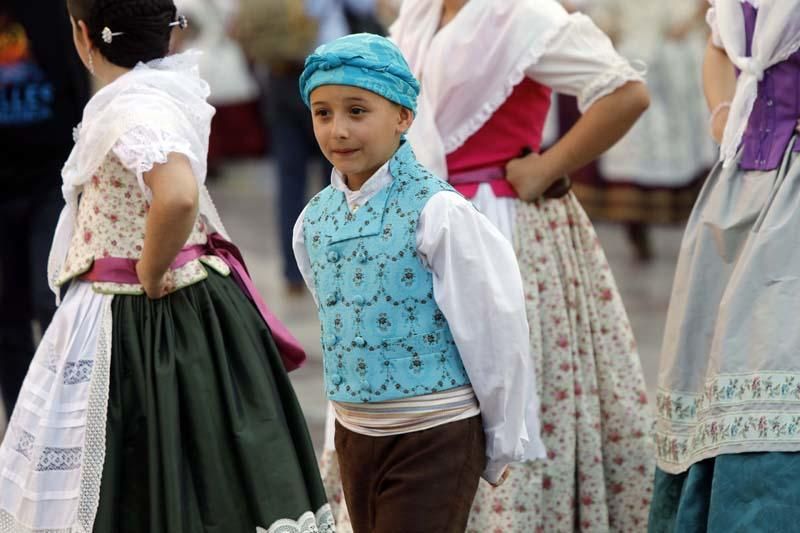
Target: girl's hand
column 529, row 177
column 155, row 287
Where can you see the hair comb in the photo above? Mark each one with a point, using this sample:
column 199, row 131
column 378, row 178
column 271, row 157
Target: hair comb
column 108, row 35
column 182, row 22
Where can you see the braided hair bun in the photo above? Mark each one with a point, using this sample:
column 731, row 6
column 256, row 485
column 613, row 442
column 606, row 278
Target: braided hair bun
column 144, row 26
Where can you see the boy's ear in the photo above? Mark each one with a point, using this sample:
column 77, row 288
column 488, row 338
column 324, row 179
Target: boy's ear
column 406, row 118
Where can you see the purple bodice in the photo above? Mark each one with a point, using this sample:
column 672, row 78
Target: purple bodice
column 777, row 109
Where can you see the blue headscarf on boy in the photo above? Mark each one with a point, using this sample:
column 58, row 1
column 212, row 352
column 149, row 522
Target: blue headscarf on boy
column 362, row 60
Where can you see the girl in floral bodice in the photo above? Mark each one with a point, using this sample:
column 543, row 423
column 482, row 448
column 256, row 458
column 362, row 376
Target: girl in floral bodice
column 163, row 375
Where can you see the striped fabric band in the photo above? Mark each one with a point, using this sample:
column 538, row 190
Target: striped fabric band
column 406, row 415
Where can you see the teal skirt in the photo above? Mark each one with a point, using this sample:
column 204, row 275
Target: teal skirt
column 746, row 493
column 204, row 432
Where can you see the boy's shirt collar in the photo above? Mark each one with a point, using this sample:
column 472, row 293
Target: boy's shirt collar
column 355, row 199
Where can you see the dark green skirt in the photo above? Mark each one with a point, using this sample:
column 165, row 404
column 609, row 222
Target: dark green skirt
column 204, row 430
column 737, row 493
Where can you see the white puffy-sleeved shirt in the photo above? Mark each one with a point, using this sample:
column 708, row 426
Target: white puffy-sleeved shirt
column 581, row 61
column 478, row 287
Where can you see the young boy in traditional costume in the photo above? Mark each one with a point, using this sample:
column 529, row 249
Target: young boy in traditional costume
column 425, row 340
column 487, row 70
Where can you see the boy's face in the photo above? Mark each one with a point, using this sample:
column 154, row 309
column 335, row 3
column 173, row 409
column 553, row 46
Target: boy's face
column 357, row 130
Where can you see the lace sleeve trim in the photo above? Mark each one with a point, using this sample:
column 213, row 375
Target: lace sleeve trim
column 608, row 82
column 141, row 148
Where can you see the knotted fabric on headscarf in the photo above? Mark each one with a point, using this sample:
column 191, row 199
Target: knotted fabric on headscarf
column 362, row 60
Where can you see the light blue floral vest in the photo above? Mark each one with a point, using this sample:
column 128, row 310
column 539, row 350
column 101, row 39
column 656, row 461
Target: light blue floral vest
column 383, row 336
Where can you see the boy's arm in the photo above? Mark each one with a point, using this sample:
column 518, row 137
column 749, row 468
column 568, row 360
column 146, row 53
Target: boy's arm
column 301, row 254
column 478, row 287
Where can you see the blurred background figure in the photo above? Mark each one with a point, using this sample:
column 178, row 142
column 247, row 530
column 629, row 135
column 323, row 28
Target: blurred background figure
column 237, row 130
column 43, row 88
column 386, row 11
column 653, row 175
column 276, row 36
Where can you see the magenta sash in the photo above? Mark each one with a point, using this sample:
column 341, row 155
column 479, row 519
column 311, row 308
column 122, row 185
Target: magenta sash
column 467, row 182
column 120, row 270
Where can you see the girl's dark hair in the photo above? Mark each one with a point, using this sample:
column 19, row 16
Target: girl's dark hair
column 145, row 25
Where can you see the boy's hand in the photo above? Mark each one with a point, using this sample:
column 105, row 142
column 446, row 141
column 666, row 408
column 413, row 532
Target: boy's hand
column 154, row 286
column 502, row 479
column 529, row 177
